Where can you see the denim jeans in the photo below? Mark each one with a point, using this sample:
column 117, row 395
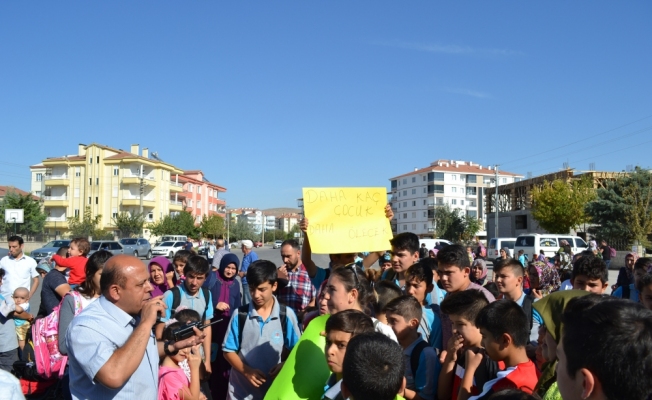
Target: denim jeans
column 246, row 296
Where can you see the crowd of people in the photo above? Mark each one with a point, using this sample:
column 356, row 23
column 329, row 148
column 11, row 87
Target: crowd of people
column 409, row 322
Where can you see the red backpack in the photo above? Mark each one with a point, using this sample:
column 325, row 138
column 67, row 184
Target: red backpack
column 45, row 336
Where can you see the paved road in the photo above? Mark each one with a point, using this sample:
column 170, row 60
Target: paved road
column 274, row 255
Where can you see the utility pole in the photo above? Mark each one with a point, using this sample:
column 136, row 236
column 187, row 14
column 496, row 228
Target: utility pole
column 496, row 204
column 263, row 234
column 142, row 188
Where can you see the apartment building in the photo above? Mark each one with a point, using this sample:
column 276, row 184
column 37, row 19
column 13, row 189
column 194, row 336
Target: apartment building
column 286, row 222
column 460, row 184
column 200, row 196
column 107, row 180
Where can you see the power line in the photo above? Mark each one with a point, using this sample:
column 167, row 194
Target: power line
column 581, row 140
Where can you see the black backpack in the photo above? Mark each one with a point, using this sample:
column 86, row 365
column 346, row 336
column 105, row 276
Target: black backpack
column 243, row 312
column 414, row 357
column 176, row 300
column 527, row 308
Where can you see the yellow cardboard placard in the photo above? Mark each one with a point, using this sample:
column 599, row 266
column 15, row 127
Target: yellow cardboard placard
column 347, row 220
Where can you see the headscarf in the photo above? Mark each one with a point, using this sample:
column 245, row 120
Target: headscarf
column 480, row 262
column 166, row 266
column 548, row 277
column 226, row 283
column 551, row 308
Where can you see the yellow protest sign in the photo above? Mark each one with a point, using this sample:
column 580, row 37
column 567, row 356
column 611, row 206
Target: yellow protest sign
column 347, row 220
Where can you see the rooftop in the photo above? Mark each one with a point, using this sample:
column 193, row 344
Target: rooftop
column 463, row 167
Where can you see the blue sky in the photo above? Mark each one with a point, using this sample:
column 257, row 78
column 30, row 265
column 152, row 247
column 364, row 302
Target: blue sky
column 270, row 97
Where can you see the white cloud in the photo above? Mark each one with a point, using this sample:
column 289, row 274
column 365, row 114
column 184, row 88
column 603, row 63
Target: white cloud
column 449, row 49
column 469, row 92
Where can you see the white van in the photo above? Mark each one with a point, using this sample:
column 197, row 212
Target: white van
column 432, row 243
column 495, row 244
column 533, row 243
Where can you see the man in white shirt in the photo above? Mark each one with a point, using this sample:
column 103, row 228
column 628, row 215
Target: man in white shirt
column 20, row 270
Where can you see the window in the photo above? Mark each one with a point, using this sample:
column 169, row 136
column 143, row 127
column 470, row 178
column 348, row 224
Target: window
column 404, row 181
column 90, row 181
column 461, row 202
column 472, row 213
column 97, row 200
column 191, row 187
column 150, row 216
column 414, row 214
column 90, row 160
column 454, row 189
column 548, row 242
column 405, row 193
column 424, row 178
column 190, row 203
column 38, row 193
column 116, row 171
column 424, row 202
column 39, row 177
column 76, row 192
column 414, row 179
column 425, row 214
column 521, row 222
column 405, row 227
column 76, row 212
column 424, row 190
column 98, row 159
column 198, row 189
column 454, row 177
column 97, row 181
column 90, row 200
column 414, row 203
column 425, row 226
column 414, row 227
column 405, row 204
column 115, row 191
column 77, row 171
column 435, row 189
column 454, row 201
column 503, row 180
column 471, row 203
column 404, row 215
column 471, row 191
column 440, row 201
column 114, row 212
column 471, row 179
column 198, row 203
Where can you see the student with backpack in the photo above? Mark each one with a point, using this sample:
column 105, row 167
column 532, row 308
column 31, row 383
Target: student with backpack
column 192, row 295
column 422, row 373
column 260, row 336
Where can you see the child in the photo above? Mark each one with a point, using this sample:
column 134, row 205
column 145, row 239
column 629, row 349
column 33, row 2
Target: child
column 373, row 368
column 605, row 350
column 631, row 291
column 174, row 382
column 340, row 329
column 462, row 308
column 21, row 299
column 454, row 271
column 437, row 294
column 503, row 325
column 418, row 283
column 522, row 258
column 405, row 252
column 590, row 274
column 176, row 276
column 76, row 261
column 258, row 341
column 385, row 292
column 508, row 276
column 189, row 294
column 422, row 366
column 645, row 291
column 8, row 339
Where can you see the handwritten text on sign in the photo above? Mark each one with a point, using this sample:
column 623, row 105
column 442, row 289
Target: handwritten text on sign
column 347, row 220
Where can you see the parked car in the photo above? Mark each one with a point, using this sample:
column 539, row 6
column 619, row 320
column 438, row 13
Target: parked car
column 258, row 244
column 495, row 244
column 533, row 243
column 432, row 243
column 49, row 249
column 111, row 246
column 139, row 247
column 277, row 244
column 168, row 248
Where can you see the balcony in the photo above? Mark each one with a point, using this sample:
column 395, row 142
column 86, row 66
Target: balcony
column 135, row 201
column 57, row 180
column 176, row 205
column 56, row 222
column 55, row 201
column 176, row 187
column 129, row 178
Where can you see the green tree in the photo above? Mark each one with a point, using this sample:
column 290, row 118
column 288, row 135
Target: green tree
column 129, row 225
column 241, row 230
column 32, row 213
column 290, row 235
column 472, row 226
column 212, row 226
column 622, row 209
column 180, row 224
column 86, row 226
column 559, row 206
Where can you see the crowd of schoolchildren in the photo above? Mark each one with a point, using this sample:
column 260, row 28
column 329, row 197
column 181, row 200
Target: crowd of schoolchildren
column 430, row 325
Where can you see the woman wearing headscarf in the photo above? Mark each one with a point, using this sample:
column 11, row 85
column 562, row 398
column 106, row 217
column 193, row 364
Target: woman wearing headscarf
column 158, row 267
column 551, row 308
column 225, row 292
column 544, row 278
column 479, row 276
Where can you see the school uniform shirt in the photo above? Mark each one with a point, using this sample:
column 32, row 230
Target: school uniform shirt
column 523, row 377
column 537, row 321
column 633, row 293
column 436, row 296
column 196, row 302
column 486, row 371
column 261, row 347
column 430, row 327
column 424, row 380
column 333, row 389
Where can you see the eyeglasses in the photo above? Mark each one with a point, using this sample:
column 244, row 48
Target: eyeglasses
column 352, row 267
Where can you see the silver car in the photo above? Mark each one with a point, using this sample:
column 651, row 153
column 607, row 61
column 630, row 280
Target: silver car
column 139, row 247
column 49, row 249
column 109, row 245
